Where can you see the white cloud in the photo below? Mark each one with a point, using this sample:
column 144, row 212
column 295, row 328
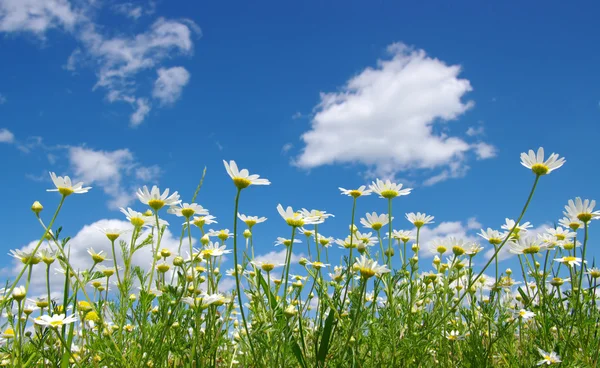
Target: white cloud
column 37, row 16
column 484, row 150
column 6, row 136
column 390, row 118
column 170, row 83
column 473, row 224
column 140, row 113
column 475, row 131
column 90, row 237
column 278, row 257
column 117, row 61
column 286, row 148
column 116, row 172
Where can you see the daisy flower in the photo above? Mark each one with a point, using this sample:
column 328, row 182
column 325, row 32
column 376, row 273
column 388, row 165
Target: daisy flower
column 510, row 223
column 570, row 260
column 251, row 220
column 222, row 234
column 548, row 358
column 25, row 257
column 402, row 235
column 561, row 234
column 187, row 210
column 267, row 266
column 454, row 336
column 286, row 242
column 137, row 219
column 524, row 314
column 326, row 241
column 214, row 250
column 472, row 248
column 242, row 178
column 65, row 187
column 582, row 210
column 111, row 233
column 97, row 257
column 319, row 217
column 295, row 219
column 369, row 268
column 419, row 219
column 572, row 223
column 439, row 246
column 155, row 199
column 387, row 189
column 494, row 237
column 54, row 321
column 375, row 221
column 527, row 245
column 537, row 164
column 318, row 265
column 200, row 221
column 356, row 192
column 594, row 272
column 348, row 242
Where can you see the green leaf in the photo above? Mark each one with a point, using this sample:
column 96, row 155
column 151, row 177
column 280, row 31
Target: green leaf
column 324, row 348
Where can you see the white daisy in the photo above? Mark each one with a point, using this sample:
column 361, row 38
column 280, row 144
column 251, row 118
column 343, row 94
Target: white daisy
column 242, row 178
column 492, row 236
column 356, row 192
column 187, row 210
column 548, row 358
column 537, row 164
column 54, row 321
column 529, row 245
column 155, row 199
column 295, row 219
column 570, row 260
column 318, row 216
column 251, row 220
column 375, row 221
column 419, row 219
column 387, row 189
column 369, row 268
column 582, row 210
column 65, row 187
column 137, row 219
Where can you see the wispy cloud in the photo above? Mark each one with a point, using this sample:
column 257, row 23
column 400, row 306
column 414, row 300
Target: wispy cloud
column 6, row 136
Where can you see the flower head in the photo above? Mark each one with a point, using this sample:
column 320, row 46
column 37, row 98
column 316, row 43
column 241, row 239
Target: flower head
column 155, row 199
column 375, row 221
column 387, row 189
column 369, row 268
column 200, row 221
column 295, row 219
column 242, row 178
column 65, row 187
column 582, row 210
column 361, row 191
column 250, row 221
column 570, row 260
column 528, row 245
column 111, row 233
column 187, row 210
column 402, row 235
column 286, row 242
column 317, row 216
column 28, row 258
column 419, row 219
column 492, row 236
column 537, row 164
column 137, row 219
column 548, row 358
column 54, row 321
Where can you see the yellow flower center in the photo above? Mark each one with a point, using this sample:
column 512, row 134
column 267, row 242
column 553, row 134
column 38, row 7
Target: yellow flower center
column 495, row 241
column 376, row 226
column 163, row 267
column 441, row 249
column 187, row 212
column 389, row 194
column 418, row 223
column 366, row 273
column 98, row 258
column 531, row 250
column 137, row 221
column 296, row 220
column 241, row 183
column 65, row 191
column 458, row 250
column 56, row 323
column 540, row 169
column 584, row 217
column 355, row 193
column 112, row 236
column 595, row 273
column 268, row 267
column 156, row 204
column 569, row 259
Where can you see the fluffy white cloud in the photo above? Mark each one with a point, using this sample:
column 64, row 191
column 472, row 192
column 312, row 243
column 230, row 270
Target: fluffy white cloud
column 6, row 136
column 475, row 131
column 37, row 16
column 170, row 83
column 88, row 237
column 393, row 117
column 484, row 150
column 116, row 172
column 278, row 257
column 117, row 61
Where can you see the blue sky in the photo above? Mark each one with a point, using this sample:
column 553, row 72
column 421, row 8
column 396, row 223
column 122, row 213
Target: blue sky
column 311, row 95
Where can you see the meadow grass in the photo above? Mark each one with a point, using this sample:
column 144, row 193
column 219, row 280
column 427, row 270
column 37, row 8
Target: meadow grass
column 380, row 306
